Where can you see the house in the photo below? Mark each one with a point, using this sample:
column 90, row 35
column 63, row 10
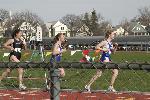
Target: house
column 28, row 30
column 136, row 29
column 56, row 27
column 83, row 31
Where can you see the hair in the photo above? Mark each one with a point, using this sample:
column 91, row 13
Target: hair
column 108, row 32
column 15, row 32
column 56, row 38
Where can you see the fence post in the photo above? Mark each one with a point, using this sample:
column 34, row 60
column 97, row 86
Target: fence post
column 55, row 84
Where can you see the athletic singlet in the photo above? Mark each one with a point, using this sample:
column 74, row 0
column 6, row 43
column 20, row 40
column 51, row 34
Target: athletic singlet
column 106, row 55
column 56, row 58
column 17, row 45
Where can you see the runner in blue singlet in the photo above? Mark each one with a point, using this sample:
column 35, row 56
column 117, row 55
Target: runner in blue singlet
column 57, row 51
column 107, row 48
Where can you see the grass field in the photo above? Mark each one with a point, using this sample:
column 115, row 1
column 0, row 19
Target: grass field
column 77, row 78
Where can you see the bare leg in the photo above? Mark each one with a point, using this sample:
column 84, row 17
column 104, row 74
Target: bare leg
column 97, row 75
column 20, row 70
column 114, row 76
column 4, row 74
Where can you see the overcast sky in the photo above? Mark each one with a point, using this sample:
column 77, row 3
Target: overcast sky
column 52, row 10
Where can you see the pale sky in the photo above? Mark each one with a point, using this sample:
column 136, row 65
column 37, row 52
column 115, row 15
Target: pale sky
column 52, row 10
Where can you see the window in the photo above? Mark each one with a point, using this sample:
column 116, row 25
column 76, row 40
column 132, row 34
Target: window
column 62, row 28
column 138, row 28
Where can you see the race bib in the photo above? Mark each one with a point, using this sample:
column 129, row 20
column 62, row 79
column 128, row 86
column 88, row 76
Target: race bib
column 17, row 50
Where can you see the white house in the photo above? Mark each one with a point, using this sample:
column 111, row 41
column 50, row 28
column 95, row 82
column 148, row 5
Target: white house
column 56, row 27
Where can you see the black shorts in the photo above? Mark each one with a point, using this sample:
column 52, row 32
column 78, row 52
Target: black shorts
column 17, row 54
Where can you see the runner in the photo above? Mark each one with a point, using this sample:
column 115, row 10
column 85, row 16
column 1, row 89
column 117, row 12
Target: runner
column 57, row 51
column 107, row 48
column 16, row 44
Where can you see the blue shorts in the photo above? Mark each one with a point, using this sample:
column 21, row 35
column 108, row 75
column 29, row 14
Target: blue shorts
column 105, row 57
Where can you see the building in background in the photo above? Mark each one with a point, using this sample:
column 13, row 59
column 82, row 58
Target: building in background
column 136, row 29
column 56, row 27
column 83, row 31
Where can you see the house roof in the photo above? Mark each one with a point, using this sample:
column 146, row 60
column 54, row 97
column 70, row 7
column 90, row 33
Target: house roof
column 136, row 27
column 52, row 23
column 48, row 24
column 82, row 28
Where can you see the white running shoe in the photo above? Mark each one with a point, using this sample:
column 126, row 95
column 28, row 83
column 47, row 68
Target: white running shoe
column 111, row 88
column 22, row 87
column 87, row 88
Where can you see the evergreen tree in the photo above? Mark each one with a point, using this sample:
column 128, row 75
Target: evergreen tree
column 94, row 23
column 86, row 20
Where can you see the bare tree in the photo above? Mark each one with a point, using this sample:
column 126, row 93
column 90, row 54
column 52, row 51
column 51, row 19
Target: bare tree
column 26, row 16
column 4, row 14
column 92, row 20
column 103, row 26
column 73, row 22
column 125, row 23
column 144, row 16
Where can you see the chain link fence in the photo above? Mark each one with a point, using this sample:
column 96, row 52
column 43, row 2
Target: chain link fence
column 138, row 79
column 133, row 76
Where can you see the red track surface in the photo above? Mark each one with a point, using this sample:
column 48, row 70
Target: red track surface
column 41, row 95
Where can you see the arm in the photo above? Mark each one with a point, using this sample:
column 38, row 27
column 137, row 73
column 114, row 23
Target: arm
column 8, row 43
column 115, row 46
column 24, row 43
column 100, row 46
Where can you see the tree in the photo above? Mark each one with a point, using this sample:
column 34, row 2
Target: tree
column 86, row 20
column 125, row 23
column 103, row 27
column 25, row 16
column 4, row 14
column 4, row 17
column 144, row 16
column 94, row 23
column 73, row 22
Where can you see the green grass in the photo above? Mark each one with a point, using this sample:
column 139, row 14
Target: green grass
column 77, row 78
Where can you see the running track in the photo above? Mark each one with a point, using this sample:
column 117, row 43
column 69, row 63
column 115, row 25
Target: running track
column 99, row 95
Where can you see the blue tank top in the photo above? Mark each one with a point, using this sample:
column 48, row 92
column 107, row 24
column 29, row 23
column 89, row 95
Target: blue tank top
column 106, row 55
column 56, row 58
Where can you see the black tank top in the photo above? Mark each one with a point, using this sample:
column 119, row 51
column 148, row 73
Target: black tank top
column 17, row 45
